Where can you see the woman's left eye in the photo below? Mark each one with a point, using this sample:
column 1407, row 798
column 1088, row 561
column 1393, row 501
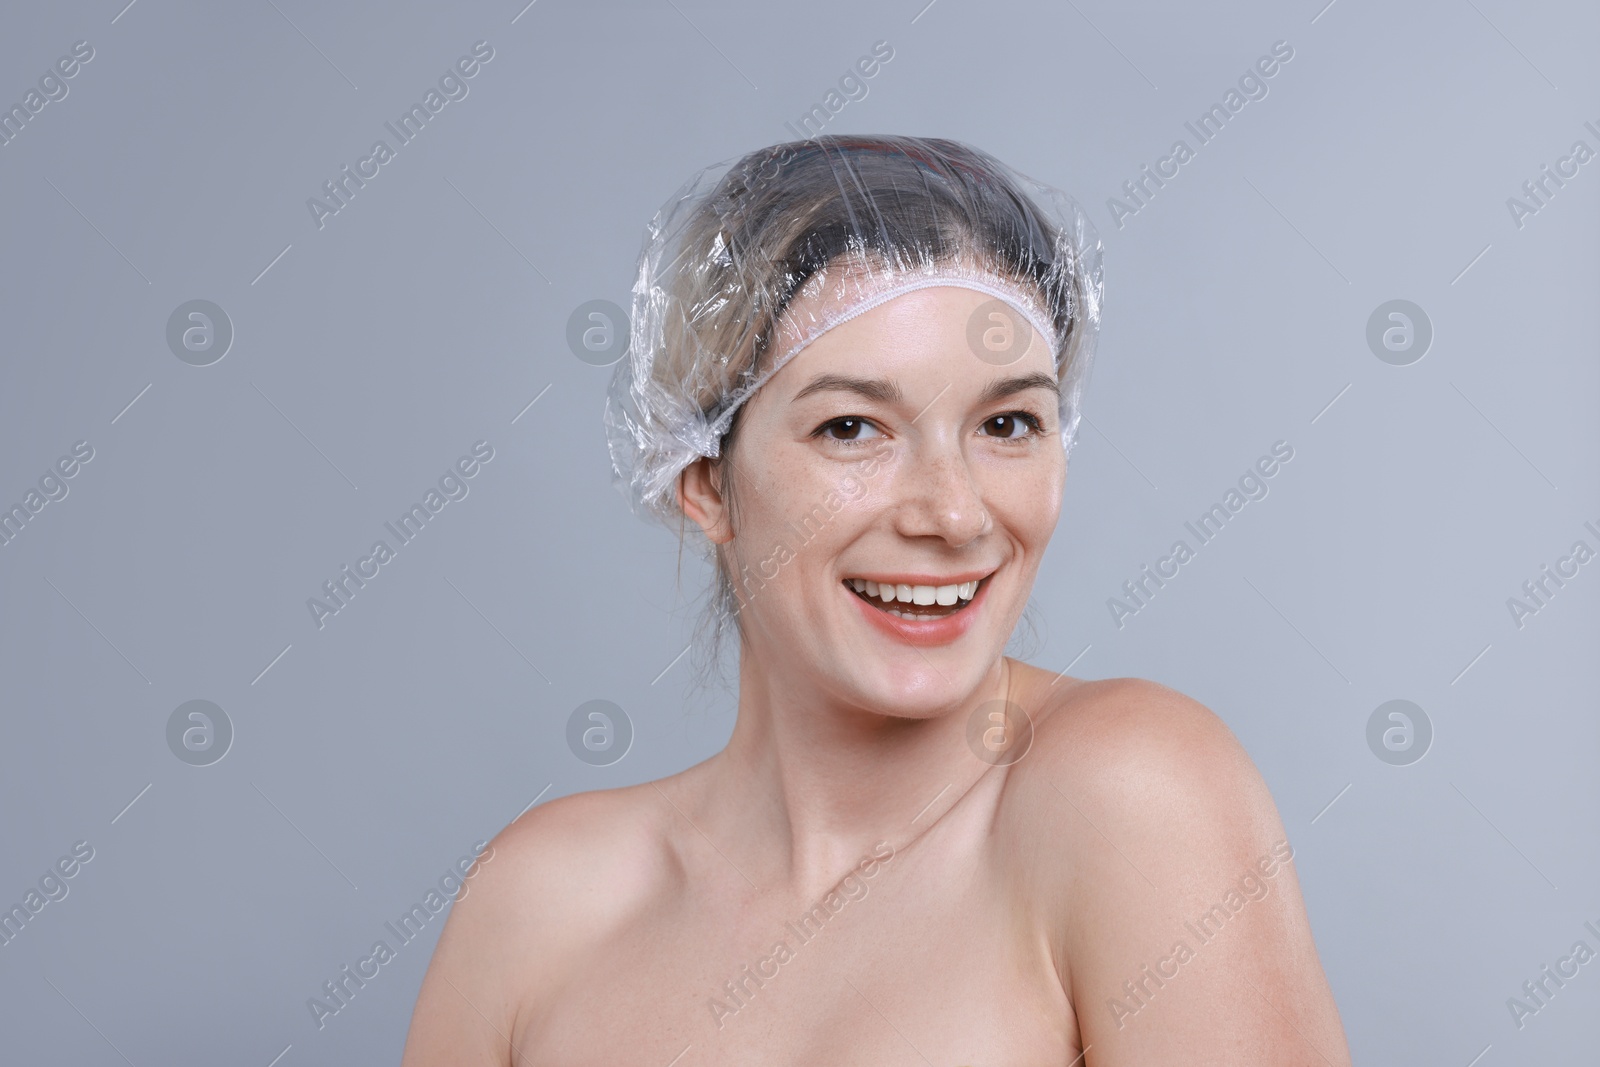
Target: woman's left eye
column 1011, row 425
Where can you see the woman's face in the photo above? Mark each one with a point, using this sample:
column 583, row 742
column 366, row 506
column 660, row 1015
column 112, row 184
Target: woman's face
column 891, row 453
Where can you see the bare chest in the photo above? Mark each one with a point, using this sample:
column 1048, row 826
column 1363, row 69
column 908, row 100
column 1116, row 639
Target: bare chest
column 916, row 965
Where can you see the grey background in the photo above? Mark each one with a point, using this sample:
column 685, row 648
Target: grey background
column 430, row 311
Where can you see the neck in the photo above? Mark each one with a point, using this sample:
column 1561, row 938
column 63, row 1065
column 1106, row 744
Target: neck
column 818, row 782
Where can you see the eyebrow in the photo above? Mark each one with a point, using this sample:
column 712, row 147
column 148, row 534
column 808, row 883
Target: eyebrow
column 885, row 390
column 1001, row 388
column 879, row 389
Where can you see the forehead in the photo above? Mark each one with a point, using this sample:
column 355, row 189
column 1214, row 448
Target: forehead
column 952, row 333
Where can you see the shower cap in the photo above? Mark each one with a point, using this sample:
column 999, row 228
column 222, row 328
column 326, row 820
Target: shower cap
column 835, row 225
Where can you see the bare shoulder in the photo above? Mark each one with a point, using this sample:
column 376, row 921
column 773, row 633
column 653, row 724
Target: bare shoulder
column 1118, row 712
column 1145, row 743
column 1154, row 773
column 1152, row 841
column 579, row 865
column 555, row 883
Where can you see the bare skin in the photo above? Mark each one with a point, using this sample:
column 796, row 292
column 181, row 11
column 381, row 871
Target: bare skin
column 849, row 882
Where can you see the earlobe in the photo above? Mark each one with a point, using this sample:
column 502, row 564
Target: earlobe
column 702, row 501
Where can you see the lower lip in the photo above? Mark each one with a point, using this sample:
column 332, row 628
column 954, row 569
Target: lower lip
column 941, row 630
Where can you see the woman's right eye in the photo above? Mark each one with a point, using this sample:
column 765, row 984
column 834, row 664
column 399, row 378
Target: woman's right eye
column 850, row 428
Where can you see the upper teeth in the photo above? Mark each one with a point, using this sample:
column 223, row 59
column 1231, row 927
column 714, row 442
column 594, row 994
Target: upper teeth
column 916, row 594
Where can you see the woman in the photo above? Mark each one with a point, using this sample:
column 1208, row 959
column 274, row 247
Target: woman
column 855, row 368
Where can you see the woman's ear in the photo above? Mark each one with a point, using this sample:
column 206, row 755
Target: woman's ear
column 701, row 498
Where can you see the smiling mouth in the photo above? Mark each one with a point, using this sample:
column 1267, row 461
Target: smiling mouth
column 915, row 601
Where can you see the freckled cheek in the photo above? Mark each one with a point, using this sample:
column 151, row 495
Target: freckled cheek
column 1028, row 508
column 803, row 480
column 794, row 514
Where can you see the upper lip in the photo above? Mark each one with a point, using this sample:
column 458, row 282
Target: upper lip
column 907, row 578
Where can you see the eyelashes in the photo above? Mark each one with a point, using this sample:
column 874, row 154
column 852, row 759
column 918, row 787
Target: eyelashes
column 1027, row 418
column 853, row 426
column 851, row 423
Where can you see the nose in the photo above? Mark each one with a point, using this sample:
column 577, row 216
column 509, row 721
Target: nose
column 939, row 496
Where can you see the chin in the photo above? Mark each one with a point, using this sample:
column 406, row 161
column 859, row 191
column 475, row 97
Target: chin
column 918, row 683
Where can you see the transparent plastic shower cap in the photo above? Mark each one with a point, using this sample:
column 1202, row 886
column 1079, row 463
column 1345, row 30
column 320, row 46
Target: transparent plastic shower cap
column 754, row 259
